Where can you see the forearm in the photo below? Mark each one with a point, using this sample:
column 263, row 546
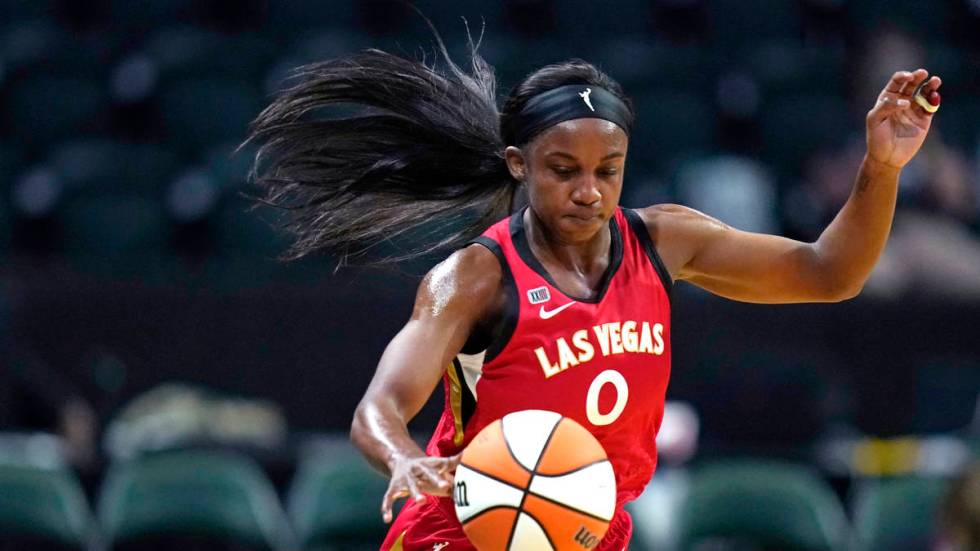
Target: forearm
column 850, row 246
column 381, row 433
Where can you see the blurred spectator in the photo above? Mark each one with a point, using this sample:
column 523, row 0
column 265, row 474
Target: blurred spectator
column 34, row 397
column 931, row 249
column 960, row 513
column 175, row 415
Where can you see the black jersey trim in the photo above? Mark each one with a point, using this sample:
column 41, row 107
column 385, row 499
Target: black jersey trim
column 467, row 400
column 519, row 237
column 503, row 331
column 643, row 234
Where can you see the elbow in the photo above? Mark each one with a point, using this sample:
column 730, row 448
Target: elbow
column 842, row 290
column 358, row 427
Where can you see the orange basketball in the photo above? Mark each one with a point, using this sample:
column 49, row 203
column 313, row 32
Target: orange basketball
column 534, row 480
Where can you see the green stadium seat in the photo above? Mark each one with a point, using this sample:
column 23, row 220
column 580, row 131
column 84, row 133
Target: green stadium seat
column 671, row 126
column 578, row 18
column 47, row 108
column 221, row 496
column 738, row 22
column 925, row 20
column 898, row 514
column 44, row 502
column 335, row 499
column 141, row 16
column 827, row 122
column 198, row 113
column 192, row 51
column 767, row 503
column 784, row 67
column 109, row 225
column 11, row 161
column 102, row 165
column 244, row 232
column 286, row 18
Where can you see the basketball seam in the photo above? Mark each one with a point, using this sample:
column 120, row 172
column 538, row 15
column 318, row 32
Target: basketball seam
column 487, row 510
column 569, row 507
column 539, row 523
column 511, row 451
column 494, row 477
column 575, row 470
column 520, row 508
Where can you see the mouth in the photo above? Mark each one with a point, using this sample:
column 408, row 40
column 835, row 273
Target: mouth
column 584, row 217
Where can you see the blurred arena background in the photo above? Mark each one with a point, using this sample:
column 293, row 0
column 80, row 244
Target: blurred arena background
column 166, row 384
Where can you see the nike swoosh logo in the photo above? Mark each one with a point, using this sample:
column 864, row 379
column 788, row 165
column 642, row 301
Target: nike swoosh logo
column 548, row 314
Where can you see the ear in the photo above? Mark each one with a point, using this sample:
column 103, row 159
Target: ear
column 515, row 163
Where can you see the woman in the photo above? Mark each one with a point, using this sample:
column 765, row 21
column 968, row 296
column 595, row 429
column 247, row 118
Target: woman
column 565, row 304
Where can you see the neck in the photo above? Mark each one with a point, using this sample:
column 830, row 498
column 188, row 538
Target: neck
column 589, row 257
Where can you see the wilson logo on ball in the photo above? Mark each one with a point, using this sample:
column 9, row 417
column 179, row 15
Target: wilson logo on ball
column 532, row 481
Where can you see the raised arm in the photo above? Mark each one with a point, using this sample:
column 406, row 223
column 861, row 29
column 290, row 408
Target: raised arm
column 754, row 267
column 454, row 297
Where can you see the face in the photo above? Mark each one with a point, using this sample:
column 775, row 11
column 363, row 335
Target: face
column 574, row 175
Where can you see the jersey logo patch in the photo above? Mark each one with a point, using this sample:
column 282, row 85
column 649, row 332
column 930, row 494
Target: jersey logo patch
column 539, row 295
column 548, row 314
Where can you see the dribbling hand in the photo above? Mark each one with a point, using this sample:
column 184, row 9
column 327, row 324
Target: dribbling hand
column 897, row 125
column 413, row 477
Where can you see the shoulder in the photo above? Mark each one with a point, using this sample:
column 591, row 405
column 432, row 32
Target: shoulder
column 468, row 280
column 678, row 232
column 670, row 220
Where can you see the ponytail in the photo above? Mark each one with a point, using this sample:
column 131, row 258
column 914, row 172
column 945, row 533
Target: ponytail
column 422, row 151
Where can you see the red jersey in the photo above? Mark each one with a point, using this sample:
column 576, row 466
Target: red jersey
column 603, row 362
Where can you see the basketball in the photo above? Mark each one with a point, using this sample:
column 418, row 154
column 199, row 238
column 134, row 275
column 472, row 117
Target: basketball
column 534, row 480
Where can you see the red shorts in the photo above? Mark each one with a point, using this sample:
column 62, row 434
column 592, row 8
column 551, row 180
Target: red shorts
column 431, row 525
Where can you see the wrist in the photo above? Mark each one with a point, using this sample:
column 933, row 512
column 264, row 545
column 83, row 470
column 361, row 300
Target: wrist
column 880, row 167
column 396, row 456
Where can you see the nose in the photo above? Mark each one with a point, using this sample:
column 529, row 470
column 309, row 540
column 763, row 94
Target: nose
column 586, row 193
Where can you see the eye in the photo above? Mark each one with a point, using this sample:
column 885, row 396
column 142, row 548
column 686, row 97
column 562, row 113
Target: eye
column 562, row 169
column 610, row 171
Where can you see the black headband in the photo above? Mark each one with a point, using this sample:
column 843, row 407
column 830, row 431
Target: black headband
column 573, row 101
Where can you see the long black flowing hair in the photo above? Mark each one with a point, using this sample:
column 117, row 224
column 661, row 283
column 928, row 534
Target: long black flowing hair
column 422, row 154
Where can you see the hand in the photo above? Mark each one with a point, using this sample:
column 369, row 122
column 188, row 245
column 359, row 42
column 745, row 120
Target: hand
column 416, row 476
column 897, row 125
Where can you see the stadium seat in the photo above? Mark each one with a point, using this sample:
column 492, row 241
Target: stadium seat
column 578, row 18
column 140, row 16
column 286, row 18
column 204, row 494
column 738, row 22
column 192, row 51
column 244, row 232
column 11, row 161
column 46, row 108
column 947, row 390
column 101, row 165
column 781, row 505
column 898, row 514
column 335, row 499
column 785, row 67
column 674, row 126
column 198, row 113
column 109, row 225
column 827, row 122
column 47, row 503
column 929, row 21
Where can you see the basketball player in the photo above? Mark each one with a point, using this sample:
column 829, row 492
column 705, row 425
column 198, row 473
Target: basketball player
column 563, row 305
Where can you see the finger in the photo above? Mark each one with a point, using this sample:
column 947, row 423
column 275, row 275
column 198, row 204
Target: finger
column 893, row 100
column 434, row 478
column 899, row 82
column 413, row 490
column 887, row 106
column 388, row 501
